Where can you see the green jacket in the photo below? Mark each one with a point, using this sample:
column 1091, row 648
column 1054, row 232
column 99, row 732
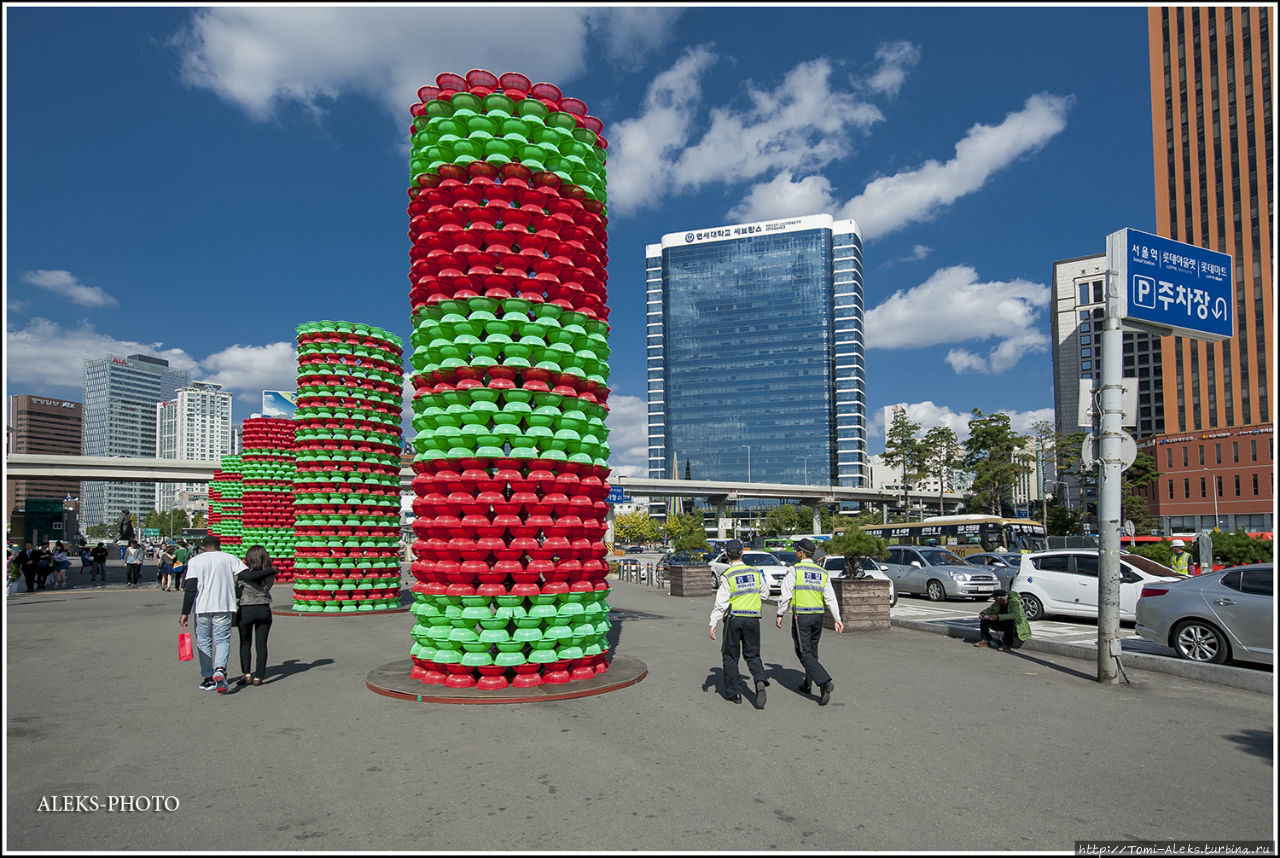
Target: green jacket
column 1012, row 611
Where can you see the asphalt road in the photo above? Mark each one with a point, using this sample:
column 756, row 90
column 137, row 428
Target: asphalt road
column 928, row 744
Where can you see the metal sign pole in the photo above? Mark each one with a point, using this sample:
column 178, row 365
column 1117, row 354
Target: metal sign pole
column 1109, row 492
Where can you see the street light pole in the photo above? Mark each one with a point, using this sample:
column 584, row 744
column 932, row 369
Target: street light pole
column 1213, row 487
column 748, row 446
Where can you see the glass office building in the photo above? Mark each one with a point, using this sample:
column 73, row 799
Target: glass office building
column 755, row 343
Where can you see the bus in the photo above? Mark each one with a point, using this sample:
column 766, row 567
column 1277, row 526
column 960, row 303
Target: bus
column 787, row 543
column 966, row 534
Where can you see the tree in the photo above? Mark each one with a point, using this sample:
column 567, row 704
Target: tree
column 686, row 532
column 903, row 451
column 781, row 519
column 99, row 531
column 634, row 527
column 1141, row 473
column 941, row 455
column 1060, row 519
column 1045, row 437
column 1238, row 547
column 856, row 545
column 199, row 519
column 991, row 453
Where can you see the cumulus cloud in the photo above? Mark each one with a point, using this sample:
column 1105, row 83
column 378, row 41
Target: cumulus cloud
column 952, row 306
column 894, row 60
column 891, row 202
column 66, row 285
column 628, row 424
column 641, row 150
column 930, row 415
column 262, row 57
column 27, row 353
column 784, row 197
column 253, row 369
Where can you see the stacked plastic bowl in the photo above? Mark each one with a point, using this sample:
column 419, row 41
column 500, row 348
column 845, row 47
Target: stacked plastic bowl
column 510, row 357
column 347, row 490
column 267, row 474
column 225, row 490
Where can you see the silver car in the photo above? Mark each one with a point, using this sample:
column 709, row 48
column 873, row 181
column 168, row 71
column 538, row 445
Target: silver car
column 1213, row 617
column 937, row 573
column 1004, row 564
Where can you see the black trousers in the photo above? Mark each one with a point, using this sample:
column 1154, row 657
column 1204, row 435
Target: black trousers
column 29, row 573
column 806, row 629
column 741, row 639
column 255, row 625
column 1009, row 627
column 133, row 573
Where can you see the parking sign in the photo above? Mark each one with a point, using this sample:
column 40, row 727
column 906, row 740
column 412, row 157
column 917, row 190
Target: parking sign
column 1171, row 287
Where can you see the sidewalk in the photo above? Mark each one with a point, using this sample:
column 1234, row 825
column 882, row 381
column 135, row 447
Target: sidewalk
column 99, row 705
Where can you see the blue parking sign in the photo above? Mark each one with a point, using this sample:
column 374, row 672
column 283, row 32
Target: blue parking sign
column 1172, row 287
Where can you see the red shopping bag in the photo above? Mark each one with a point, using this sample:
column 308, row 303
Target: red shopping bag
column 184, row 647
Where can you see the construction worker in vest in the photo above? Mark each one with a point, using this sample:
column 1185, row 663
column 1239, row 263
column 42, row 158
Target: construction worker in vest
column 805, row 591
column 1181, row 562
column 738, row 600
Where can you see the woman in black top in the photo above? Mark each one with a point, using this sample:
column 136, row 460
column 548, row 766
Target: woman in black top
column 253, row 589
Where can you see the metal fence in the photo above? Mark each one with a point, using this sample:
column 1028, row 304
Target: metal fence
column 642, row 572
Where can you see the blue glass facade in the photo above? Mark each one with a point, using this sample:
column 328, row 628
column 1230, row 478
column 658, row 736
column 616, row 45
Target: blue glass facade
column 755, row 341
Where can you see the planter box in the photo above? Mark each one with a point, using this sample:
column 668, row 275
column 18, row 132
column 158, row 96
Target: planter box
column 691, row 581
column 864, row 604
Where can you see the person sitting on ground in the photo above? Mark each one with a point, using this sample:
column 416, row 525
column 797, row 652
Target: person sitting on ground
column 1005, row 615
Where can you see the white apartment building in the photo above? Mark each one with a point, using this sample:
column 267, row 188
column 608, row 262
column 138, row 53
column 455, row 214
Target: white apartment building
column 193, row 426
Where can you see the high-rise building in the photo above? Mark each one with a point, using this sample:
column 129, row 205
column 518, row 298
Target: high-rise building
column 120, row 397
column 756, row 364
column 194, row 426
column 38, row 424
column 1211, row 101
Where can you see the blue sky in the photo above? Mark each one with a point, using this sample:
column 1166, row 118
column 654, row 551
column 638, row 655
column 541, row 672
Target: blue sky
column 195, row 182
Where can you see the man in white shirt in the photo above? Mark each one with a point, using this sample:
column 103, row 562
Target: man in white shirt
column 210, row 587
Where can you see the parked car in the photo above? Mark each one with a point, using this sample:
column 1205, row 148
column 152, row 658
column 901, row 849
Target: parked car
column 834, row 563
column 771, row 566
column 1066, row 582
column 635, row 549
column 937, row 573
column 1004, row 564
column 787, row 558
column 1213, row 617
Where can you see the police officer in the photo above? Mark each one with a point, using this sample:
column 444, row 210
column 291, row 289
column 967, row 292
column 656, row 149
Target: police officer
column 1181, row 559
column 805, row 590
column 738, row 600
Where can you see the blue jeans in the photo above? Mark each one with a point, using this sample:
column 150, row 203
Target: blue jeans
column 213, row 641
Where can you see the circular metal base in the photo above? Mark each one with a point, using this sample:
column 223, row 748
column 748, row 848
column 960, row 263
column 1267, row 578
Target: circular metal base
column 288, row 613
column 393, row 680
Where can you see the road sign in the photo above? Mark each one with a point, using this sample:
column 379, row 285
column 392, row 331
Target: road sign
column 616, row 495
column 150, row 532
column 1171, row 287
column 1089, row 451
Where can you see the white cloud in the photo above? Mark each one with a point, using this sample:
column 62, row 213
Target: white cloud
column 253, row 369
column 891, row 202
column 930, row 415
column 628, row 424
column 14, row 305
column 641, row 150
column 783, row 197
column 895, row 60
column 952, row 306
column 918, row 253
column 27, row 353
column 261, row 57
column 66, row 285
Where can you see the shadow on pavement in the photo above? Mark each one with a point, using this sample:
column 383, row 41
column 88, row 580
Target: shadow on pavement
column 1259, row 743
column 291, row 667
column 1052, row 666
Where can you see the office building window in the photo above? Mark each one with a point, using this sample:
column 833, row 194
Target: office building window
column 1235, row 451
column 1186, row 489
column 1169, row 457
column 1217, row 453
column 1201, row 453
column 1185, row 463
column 1255, row 485
column 1253, row 451
column 1203, row 490
column 1237, row 485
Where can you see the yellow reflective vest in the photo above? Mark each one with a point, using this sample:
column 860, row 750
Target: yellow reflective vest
column 746, row 587
column 811, row 583
column 1182, row 563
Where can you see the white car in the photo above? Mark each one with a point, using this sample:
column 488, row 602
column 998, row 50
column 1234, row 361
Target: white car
column 1066, row 582
column 772, row 567
column 834, row 563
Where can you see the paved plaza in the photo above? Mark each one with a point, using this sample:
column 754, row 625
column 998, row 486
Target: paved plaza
column 928, row 744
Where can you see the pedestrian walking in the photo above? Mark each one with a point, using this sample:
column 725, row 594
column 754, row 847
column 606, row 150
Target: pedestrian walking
column 211, row 590
column 45, row 565
column 28, row 560
column 805, row 590
column 61, row 566
column 86, row 560
column 98, row 571
column 133, row 557
column 180, row 558
column 738, row 600
column 253, row 591
column 1005, row 615
column 165, row 563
